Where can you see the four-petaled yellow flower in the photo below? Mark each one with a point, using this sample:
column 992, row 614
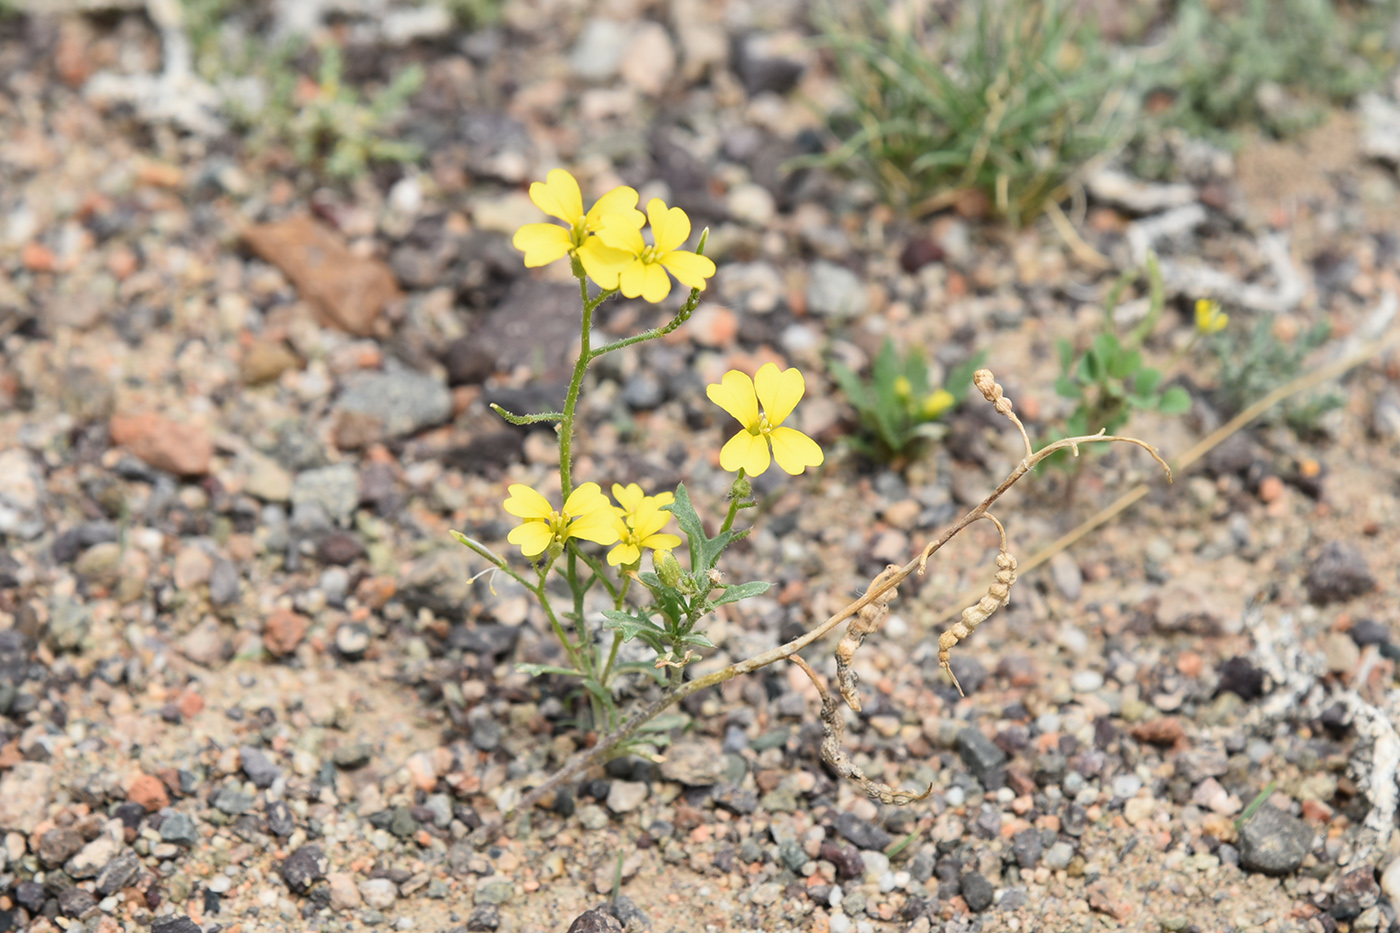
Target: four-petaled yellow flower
column 779, row 393
column 559, row 196
column 620, row 258
column 639, row 522
column 1209, row 318
column 587, row 514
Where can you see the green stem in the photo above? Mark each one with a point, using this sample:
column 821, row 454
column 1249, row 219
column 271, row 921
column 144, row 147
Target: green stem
column 736, row 501
column 566, row 424
column 612, row 657
column 598, row 575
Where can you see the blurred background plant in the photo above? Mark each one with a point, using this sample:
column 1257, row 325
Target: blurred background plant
column 896, row 407
column 1011, row 99
column 1110, row 379
column 1254, row 363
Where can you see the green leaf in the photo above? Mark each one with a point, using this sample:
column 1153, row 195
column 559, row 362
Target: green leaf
column 1175, row 401
column 855, row 391
column 666, row 722
column 1147, row 381
column 632, row 625
column 738, row 591
column 688, row 521
column 1066, row 355
column 697, row 639
column 1066, row 387
column 1124, row 364
column 959, row 377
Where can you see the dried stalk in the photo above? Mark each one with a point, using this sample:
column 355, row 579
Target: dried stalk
column 998, row 595
column 834, row 755
column 868, row 620
column 886, row 582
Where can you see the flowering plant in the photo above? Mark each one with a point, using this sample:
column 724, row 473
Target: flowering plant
column 662, row 608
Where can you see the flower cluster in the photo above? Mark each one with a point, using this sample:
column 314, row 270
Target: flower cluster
column 633, row 524
column 607, row 240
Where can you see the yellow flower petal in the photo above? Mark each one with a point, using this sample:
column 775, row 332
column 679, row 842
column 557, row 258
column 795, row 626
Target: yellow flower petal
column 624, row 554
column 619, row 202
column 629, row 497
column 689, row 268
column 663, row 498
column 794, row 450
column 524, row 502
column 532, row 537
column 669, row 227
column 597, row 526
column 646, row 524
column 603, row 263
column 656, row 285
column 735, row 394
column 542, row 243
column 778, row 392
column 745, row 451
column 558, row 196
column 616, row 231
column 586, row 498
column 661, row 541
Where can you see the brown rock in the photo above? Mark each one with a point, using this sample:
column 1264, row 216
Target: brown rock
column 148, row 791
column 349, row 291
column 1164, row 731
column 355, row 430
column 182, row 449
column 284, row 630
column 265, row 360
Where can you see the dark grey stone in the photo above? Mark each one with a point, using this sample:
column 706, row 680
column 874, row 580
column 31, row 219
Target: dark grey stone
column 978, row 752
column 1338, row 573
column 1273, row 842
column 304, row 867
column 259, row 768
column 405, row 402
column 1026, row 847
column 178, row 828
column 632, row 917
column 223, row 583
column 597, row 920
column 118, row 873
column 74, row 902
column 234, row 802
column 175, row 924
column 792, row 855
column 977, row 891
column 484, row 917
column 863, row 834
column 30, row 895
column 735, row 799
column 279, row 819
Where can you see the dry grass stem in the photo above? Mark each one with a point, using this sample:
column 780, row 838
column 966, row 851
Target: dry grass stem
column 998, row 595
column 834, row 755
column 867, row 620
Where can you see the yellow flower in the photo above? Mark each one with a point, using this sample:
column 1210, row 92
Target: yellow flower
column 1209, row 318
column 622, row 257
column 937, row 403
column 587, row 514
column 779, row 392
column 559, row 196
column 638, row 522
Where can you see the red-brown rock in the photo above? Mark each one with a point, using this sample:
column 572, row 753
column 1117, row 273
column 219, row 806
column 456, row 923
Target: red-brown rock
column 348, row 291
column 172, row 446
column 148, row 791
column 284, row 630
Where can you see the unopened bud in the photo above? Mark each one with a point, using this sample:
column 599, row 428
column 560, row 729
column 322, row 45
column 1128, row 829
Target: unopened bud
column 668, row 569
column 742, row 488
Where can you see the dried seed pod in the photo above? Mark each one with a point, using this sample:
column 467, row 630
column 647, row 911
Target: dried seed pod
column 991, row 391
column 834, row 755
column 998, row 595
column 863, row 623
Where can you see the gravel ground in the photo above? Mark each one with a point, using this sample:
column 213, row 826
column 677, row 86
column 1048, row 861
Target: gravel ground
column 248, row 682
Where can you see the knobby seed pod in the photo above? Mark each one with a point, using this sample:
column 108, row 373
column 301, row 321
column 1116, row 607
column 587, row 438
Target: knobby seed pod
column 991, row 391
column 998, row 595
column 834, row 755
column 863, row 623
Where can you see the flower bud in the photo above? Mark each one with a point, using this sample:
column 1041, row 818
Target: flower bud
column 902, row 388
column 742, row 488
column 667, row 567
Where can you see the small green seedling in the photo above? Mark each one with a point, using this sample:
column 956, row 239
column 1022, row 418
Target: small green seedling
column 1253, row 365
column 1110, row 378
column 897, row 407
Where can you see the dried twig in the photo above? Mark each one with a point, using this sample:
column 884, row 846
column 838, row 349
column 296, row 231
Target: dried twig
column 834, row 755
column 866, row 621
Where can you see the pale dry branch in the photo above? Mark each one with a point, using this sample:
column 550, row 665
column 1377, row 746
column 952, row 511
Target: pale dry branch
column 867, row 620
column 834, row 755
column 991, row 391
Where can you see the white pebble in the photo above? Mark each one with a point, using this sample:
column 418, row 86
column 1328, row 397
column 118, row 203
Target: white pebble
column 956, row 797
column 1086, row 681
column 839, row 923
column 887, row 882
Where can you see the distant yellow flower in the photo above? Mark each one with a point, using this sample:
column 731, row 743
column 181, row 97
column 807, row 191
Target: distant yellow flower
column 779, row 393
column 937, row 403
column 559, row 196
column 638, row 269
column 587, row 514
column 639, row 521
column 1209, row 318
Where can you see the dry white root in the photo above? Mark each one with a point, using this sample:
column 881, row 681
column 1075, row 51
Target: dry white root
column 863, row 623
column 998, row 595
column 834, row 755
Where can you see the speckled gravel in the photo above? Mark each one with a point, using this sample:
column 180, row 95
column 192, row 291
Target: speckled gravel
column 248, row 682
